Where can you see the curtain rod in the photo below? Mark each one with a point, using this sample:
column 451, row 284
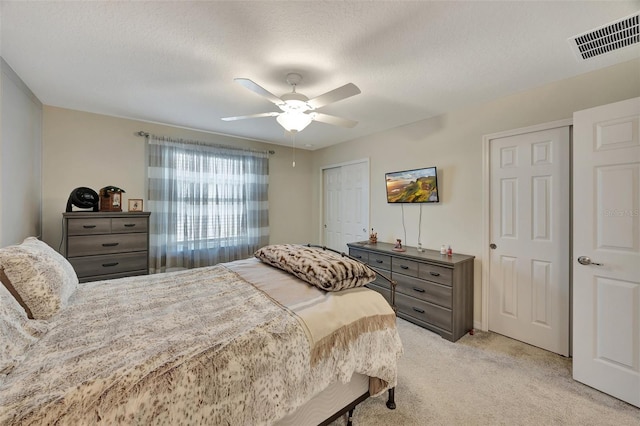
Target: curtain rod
column 144, row 134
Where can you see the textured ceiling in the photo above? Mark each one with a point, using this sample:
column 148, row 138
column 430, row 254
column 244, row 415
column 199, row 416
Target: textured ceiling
column 174, row 62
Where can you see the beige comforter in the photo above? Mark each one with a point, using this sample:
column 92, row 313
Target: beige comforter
column 202, row 346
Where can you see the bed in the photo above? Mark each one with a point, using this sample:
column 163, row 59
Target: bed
column 290, row 336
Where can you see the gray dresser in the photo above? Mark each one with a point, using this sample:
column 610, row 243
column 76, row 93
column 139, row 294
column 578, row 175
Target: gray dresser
column 434, row 291
column 106, row 245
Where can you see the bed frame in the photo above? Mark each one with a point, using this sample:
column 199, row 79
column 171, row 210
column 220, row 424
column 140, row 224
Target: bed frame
column 350, row 407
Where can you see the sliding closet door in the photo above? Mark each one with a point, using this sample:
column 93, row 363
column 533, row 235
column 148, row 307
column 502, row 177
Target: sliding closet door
column 346, row 204
column 332, row 201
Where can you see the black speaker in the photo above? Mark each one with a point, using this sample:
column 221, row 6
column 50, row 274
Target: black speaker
column 83, row 198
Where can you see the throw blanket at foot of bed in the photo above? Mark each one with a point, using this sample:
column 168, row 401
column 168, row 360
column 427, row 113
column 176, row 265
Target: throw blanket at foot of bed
column 202, row 346
column 352, row 330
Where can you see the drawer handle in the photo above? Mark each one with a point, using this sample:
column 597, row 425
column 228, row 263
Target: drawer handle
column 419, row 310
column 88, row 226
column 419, row 290
column 129, row 225
column 435, row 274
column 109, row 244
column 357, row 256
column 107, row 265
column 404, row 266
column 379, row 261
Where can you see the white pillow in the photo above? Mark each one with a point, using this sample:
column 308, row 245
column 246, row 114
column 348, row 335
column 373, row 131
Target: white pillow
column 17, row 332
column 44, row 279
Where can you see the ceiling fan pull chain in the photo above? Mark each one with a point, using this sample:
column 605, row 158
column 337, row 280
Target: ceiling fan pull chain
column 293, row 151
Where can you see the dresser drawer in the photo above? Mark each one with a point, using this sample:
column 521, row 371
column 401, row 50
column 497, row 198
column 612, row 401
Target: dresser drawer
column 385, row 292
column 85, row 226
column 129, row 224
column 109, row 264
column 380, row 261
column 439, row 274
column 112, row 276
column 424, row 311
column 85, row 245
column 380, row 281
column 424, row 290
column 361, row 255
column 404, row 266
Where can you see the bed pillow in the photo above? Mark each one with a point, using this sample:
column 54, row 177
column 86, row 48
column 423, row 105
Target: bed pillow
column 17, row 332
column 322, row 268
column 42, row 277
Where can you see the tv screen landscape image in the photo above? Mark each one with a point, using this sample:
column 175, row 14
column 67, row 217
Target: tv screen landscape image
column 413, row 186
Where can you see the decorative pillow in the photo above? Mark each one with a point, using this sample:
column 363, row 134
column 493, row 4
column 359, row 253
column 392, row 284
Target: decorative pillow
column 42, row 277
column 322, row 268
column 17, row 332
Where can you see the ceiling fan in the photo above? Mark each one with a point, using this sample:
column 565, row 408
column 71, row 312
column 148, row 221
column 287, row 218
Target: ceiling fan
column 297, row 110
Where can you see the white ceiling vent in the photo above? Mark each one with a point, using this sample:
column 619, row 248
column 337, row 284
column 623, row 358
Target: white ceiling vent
column 616, row 35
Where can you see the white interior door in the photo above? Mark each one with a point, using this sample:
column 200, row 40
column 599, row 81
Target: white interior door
column 529, row 262
column 606, row 247
column 346, row 204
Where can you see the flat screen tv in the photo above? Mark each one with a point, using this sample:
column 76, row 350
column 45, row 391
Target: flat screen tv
column 413, row 186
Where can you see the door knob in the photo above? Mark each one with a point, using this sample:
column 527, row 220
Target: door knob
column 493, row 246
column 586, row 260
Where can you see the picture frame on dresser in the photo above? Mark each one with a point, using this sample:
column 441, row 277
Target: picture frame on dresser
column 107, row 245
column 135, row 204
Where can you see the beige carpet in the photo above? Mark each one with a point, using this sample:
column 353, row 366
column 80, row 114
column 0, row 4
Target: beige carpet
column 488, row 379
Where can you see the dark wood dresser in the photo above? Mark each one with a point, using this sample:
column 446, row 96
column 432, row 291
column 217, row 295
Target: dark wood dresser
column 434, row 291
column 106, row 245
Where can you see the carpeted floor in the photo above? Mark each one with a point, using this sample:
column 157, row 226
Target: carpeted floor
column 487, row 379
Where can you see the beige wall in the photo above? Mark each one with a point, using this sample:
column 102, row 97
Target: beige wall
column 92, row 150
column 20, row 159
column 453, row 143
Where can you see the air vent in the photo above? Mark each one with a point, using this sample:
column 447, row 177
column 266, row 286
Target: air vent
column 616, row 35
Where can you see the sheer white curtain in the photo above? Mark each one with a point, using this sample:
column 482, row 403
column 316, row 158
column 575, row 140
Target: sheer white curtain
column 208, row 203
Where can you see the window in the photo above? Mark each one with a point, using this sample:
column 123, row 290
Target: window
column 208, row 203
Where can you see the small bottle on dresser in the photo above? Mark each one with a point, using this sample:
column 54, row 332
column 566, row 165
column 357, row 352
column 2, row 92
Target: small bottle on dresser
column 449, row 251
column 443, row 249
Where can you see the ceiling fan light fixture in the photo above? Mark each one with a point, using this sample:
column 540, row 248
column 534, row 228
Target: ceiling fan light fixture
column 294, row 106
column 294, row 121
column 297, row 109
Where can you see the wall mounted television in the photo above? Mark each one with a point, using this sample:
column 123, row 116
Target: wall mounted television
column 413, row 186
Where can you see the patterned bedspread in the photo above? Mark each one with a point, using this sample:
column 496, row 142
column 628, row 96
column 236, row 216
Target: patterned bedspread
column 202, row 346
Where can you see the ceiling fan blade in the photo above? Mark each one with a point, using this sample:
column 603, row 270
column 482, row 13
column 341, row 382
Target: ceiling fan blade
column 335, row 95
column 242, row 117
column 332, row 119
column 254, row 87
